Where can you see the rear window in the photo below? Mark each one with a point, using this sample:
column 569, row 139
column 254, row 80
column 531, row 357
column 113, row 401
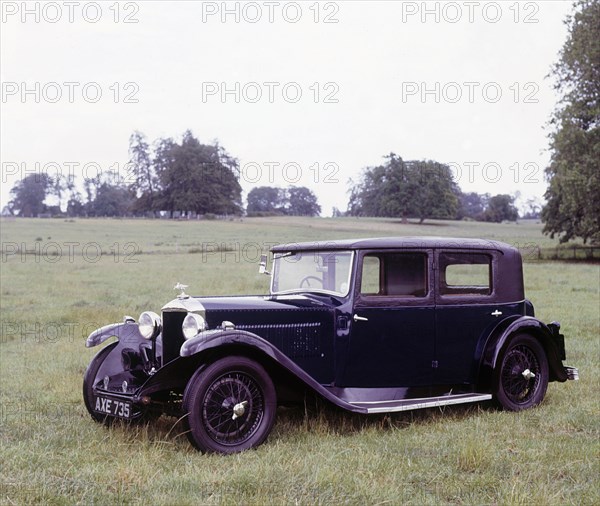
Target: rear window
column 465, row 274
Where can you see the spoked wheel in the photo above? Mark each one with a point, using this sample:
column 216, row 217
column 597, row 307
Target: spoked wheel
column 230, row 406
column 521, row 378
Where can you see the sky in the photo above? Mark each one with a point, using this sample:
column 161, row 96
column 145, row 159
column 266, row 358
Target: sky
column 301, row 93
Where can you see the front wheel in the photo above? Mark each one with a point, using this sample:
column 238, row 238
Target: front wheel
column 230, row 406
column 521, row 375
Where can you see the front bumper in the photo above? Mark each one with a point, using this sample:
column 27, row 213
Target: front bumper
column 572, row 373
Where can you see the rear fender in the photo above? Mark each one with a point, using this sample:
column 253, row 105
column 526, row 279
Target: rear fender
column 502, row 335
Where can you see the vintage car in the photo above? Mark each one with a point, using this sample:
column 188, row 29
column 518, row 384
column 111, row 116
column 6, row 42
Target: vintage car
column 371, row 325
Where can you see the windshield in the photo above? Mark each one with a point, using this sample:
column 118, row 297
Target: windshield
column 312, row 271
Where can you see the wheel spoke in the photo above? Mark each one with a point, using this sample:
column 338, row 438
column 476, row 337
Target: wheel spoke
column 518, row 388
column 232, row 385
column 221, row 397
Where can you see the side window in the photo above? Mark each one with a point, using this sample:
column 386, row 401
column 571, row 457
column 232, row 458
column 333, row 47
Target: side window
column 336, row 267
column 465, row 274
column 370, row 284
column 394, row 274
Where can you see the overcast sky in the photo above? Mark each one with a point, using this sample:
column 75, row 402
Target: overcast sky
column 301, row 93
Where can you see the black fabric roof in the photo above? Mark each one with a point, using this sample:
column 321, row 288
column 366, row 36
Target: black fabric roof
column 396, row 242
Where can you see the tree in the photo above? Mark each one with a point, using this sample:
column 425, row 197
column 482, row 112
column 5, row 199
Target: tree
column 501, row 208
column 434, row 190
column 112, row 197
column 424, row 189
column 531, row 208
column 90, row 186
column 75, row 207
column 29, row 194
column 60, row 184
column 302, row 202
column 266, row 199
column 295, row 201
column 573, row 206
column 197, row 177
column 384, row 190
column 144, row 181
column 472, row 205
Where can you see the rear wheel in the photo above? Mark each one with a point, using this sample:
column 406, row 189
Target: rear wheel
column 521, row 376
column 230, row 406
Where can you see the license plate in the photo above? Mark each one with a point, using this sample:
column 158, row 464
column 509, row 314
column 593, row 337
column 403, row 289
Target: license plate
column 113, row 407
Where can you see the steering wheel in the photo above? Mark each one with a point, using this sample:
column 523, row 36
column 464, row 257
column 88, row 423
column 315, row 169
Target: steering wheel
column 308, row 279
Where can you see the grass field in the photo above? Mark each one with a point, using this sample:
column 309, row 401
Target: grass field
column 62, row 279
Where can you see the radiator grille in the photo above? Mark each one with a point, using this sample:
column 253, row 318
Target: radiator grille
column 172, row 334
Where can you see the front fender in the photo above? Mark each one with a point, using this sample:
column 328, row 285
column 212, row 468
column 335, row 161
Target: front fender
column 502, row 335
column 127, row 332
column 213, row 339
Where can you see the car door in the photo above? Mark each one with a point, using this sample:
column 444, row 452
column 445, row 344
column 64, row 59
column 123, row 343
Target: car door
column 392, row 333
column 467, row 309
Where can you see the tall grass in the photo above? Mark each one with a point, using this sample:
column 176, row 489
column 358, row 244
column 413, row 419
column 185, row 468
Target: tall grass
column 52, row 452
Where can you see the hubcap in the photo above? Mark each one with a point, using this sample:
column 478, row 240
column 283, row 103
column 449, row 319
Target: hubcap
column 527, row 374
column 239, row 409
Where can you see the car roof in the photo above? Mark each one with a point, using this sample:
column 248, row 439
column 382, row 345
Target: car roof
column 413, row 242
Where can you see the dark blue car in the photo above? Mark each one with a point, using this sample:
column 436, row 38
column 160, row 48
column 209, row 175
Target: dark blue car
column 371, row 325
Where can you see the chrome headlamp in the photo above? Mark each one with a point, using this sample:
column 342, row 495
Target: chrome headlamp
column 149, row 324
column 192, row 324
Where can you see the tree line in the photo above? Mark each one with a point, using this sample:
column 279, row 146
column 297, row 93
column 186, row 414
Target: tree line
column 168, row 178
column 423, row 189
column 191, row 178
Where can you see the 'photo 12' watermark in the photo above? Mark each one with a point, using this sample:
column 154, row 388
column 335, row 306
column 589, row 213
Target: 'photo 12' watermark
column 494, row 172
column 289, row 172
column 469, row 92
column 270, row 92
column 270, row 12
column 469, row 12
column 46, row 332
column 69, row 12
column 53, row 92
column 68, row 251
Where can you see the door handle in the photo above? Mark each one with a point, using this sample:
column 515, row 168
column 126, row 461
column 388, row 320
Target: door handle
column 496, row 313
column 357, row 318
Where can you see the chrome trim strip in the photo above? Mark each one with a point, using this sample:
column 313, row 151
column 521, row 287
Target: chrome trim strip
column 407, row 404
column 450, row 396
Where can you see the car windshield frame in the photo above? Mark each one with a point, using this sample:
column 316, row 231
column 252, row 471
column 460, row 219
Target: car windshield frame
column 278, row 258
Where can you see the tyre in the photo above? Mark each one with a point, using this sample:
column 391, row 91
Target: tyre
column 230, row 406
column 521, row 376
column 88, row 383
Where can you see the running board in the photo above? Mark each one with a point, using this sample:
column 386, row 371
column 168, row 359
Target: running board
column 427, row 402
